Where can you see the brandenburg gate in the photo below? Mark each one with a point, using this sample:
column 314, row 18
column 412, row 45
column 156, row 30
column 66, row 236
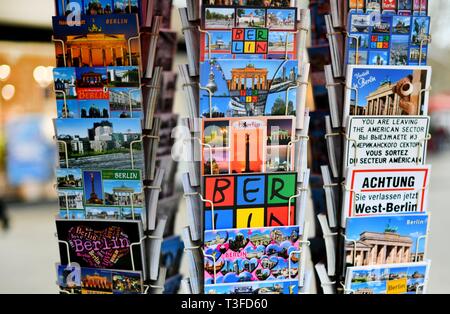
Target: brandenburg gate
column 375, row 248
column 240, row 78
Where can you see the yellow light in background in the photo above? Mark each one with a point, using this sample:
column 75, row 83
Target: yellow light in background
column 5, row 71
column 43, row 75
column 8, row 91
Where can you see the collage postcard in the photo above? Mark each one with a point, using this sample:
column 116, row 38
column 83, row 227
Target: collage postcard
column 242, row 88
column 100, row 194
column 249, row 255
column 82, row 280
column 248, row 145
column 406, row 278
column 98, row 92
column 394, row 40
column 389, row 7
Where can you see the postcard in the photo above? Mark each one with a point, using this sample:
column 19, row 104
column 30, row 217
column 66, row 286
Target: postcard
column 237, row 88
column 396, row 141
column 394, row 40
column 100, row 194
column 226, row 17
column 375, row 191
column 385, row 239
column 248, row 43
column 243, row 255
column 265, row 287
column 248, row 145
column 408, row 278
column 101, row 244
column 81, row 280
column 99, row 143
column 387, row 91
column 98, row 92
column 250, row 201
column 250, row 3
column 97, row 7
column 84, row 44
column 69, row 279
column 172, row 250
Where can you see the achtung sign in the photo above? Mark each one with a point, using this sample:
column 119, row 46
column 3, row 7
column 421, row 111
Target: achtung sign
column 386, row 141
column 373, row 191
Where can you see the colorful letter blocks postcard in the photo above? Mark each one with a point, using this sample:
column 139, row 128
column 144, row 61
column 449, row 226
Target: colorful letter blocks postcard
column 249, row 255
column 409, row 278
column 100, row 40
column 394, row 40
column 104, row 244
column 248, row 145
column 250, row 201
column 100, row 143
column 102, row 194
column 238, row 88
column 99, row 92
column 250, row 41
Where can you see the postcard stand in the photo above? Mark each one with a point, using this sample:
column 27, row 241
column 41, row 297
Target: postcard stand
column 352, row 144
column 150, row 83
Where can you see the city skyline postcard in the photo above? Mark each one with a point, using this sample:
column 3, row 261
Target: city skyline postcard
column 99, row 143
column 98, row 7
column 407, row 278
column 385, row 239
column 387, row 90
column 244, row 255
column 94, row 33
column 238, row 88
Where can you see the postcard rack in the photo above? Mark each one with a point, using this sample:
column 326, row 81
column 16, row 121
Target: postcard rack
column 115, row 100
column 371, row 45
column 248, row 78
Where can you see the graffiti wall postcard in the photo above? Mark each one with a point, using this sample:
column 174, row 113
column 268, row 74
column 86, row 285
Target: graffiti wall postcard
column 98, row 40
column 99, row 143
column 250, row 201
column 397, row 141
column 375, row 191
column 236, row 88
column 410, row 278
column 248, row 145
column 104, row 244
column 385, row 239
column 98, row 281
column 100, row 194
column 387, row 91
column 264, row 287
column 394, row 40
column 98, row 92
column 247, row 255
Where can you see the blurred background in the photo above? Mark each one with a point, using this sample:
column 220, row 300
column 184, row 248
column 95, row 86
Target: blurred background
column 28, row 249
